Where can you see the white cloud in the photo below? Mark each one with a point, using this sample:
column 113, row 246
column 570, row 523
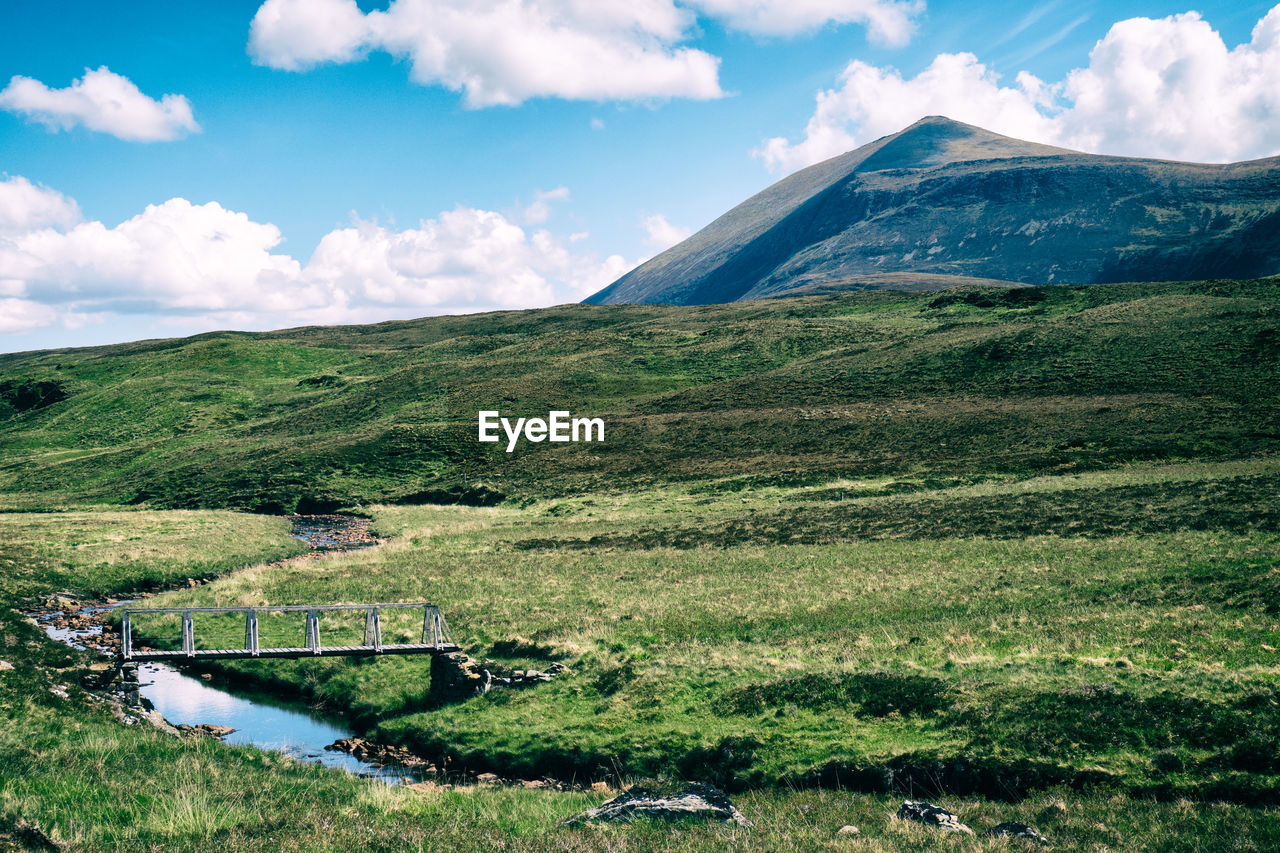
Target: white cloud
column 661, row 234
column 1167, row 88
column 101, row 101
column 888, row 21
column 19, row 315
column 297, row 34
column 540, row 211
column 500, row 52
column 507, row 51
column 205, row 265
column 25, row 206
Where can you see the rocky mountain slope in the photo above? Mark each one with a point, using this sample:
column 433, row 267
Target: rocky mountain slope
column 943, row 198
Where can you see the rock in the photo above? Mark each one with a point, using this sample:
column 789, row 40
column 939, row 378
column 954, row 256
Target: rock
column 695, row 800
column 156, row 719
column 488, row 779
column 427, row 786
column 457, row 676
column 1015, row 829
column 601, row 788
column 4, row 664
column 931, row 815
column 536, row 784
column 206, row 730
column 848, row 829
column 381, row 754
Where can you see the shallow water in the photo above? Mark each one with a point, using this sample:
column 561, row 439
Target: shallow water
column 262, row 721
column 333, row 532
column 279, row 724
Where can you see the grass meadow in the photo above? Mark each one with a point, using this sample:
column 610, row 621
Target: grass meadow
column 1020, row 557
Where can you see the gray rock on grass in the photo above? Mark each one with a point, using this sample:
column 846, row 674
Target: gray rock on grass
column 695, row 800
column 1016, row 829
column 931, row 815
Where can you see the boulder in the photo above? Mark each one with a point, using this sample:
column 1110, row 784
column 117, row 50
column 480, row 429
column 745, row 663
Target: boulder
column 695, row 800
column 1015, row 829
column 848, row 829
column 457, row 676
column 931, row 815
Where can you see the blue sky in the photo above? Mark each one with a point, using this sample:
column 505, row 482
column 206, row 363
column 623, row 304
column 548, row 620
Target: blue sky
column 420, row 166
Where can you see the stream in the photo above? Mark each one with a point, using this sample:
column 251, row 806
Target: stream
column 259, row 720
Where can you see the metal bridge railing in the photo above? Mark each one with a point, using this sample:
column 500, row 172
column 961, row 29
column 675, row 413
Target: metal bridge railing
column 435, row 632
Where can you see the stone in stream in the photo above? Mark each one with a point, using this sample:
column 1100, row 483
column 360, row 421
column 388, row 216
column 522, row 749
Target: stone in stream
column 382, row 754
column 695, row 800
column 931, row 815
column 206, row 730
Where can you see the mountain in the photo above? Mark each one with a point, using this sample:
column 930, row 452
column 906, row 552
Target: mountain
column 943, row 198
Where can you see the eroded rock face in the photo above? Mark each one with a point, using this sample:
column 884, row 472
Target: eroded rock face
column 458, row 676
column 695, row 800
column 931, row 815
column 1015, row 829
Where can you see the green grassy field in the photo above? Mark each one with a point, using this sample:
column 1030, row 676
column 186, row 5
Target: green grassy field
column 641, row 656
column 997, row 661
column 1016, row 551
column 961, row 383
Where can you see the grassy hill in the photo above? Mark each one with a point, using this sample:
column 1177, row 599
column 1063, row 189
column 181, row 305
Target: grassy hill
column 964, row 384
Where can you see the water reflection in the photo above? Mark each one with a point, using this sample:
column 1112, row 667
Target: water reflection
column 259, row 721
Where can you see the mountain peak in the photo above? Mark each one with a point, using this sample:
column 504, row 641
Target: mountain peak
column 943, row 198
column 938, row 140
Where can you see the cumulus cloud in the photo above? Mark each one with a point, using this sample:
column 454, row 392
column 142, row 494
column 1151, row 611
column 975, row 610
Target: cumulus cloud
column 25, row 206
column 103, row 101
column 507, row 51
column 186, row 260
column 19, row 315
column 500, row 52
column 1167, row 87
column 661, row 234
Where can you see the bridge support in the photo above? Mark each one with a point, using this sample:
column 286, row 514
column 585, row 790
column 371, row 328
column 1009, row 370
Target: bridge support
column 372, row 629
column 313, row 632
column 251, row 632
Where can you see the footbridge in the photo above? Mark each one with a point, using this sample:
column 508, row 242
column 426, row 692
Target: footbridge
column 318, row 630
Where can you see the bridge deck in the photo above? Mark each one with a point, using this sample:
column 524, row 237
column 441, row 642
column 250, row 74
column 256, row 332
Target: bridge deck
column 323, row 651
column 435, row 636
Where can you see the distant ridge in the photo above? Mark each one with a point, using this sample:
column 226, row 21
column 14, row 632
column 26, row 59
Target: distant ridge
column 942, row 198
